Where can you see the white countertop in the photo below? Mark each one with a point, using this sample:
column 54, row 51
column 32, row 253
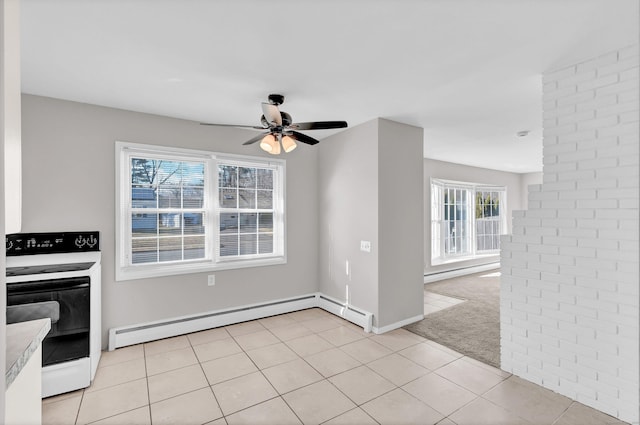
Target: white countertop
column 22, row 340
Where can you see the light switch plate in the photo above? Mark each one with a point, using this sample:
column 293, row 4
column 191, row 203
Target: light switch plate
column 211, row 280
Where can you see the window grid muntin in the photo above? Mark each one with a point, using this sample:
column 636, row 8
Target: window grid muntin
column 162, row 256
column 488, row 220
column 126, row 271
column 226, row 186
column 440, row 220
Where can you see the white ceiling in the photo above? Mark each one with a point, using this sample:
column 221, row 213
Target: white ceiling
column 467, row 71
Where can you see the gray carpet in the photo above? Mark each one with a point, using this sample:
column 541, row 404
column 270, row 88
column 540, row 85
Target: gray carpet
column 471, row 328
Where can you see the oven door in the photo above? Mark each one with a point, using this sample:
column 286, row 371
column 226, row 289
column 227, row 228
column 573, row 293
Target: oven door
column 66, row 303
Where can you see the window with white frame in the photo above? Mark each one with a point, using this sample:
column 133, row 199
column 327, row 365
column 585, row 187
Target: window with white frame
column 467, row 219
column 185, row 211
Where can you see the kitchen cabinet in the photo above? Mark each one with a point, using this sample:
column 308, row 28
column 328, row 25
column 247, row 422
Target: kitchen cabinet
column 23, row 396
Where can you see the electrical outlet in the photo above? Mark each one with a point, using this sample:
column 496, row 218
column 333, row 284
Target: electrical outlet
column 365, row 246
column 211, row 280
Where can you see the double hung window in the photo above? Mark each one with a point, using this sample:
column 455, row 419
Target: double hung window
column 184, row 211
column 467, row 220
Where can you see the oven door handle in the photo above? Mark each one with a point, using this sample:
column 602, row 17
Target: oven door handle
column 48, row 285
column 32, row 311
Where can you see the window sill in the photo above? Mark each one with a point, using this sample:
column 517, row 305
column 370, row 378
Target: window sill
column 143, row 272
column 439, row 261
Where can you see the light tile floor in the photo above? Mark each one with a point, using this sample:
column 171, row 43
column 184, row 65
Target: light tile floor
column 306, row 367
column 435, row 302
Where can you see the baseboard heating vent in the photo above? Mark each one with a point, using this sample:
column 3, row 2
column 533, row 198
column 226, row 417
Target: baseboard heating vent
column 130, row 335
column 435, row 277
column 145, row 332
column 345, row 311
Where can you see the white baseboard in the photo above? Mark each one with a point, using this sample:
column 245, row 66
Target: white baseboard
column 151, row 331
column 347, row 312
column 434, row 277
column 397, row 325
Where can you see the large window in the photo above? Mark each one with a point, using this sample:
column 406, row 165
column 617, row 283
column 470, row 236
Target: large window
column 184, row 211
column 466, row 220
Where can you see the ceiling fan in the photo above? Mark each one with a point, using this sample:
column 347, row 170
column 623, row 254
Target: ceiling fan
column 280, row 130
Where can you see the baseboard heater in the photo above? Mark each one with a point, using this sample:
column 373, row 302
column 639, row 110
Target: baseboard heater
column 151, row 331
column 434, row 277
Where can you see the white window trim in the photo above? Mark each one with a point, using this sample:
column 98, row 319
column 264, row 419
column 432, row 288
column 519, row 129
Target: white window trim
column 213, row 261
column 475, row 254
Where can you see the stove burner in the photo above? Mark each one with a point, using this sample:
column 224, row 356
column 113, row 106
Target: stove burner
column 49, row 268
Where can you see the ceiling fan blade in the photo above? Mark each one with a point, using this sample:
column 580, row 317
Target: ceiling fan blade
column 272, row 113
column 255, row 139
column 319, row 125
column 255, row 127
column 303, row 138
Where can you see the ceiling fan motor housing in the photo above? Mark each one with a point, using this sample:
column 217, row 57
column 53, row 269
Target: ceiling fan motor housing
column 276, row 99
column 286, row 120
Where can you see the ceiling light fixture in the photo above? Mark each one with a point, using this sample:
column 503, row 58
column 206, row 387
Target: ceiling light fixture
column 279, row 132
column 522, row 133
column 288, row 144
column 268, row 142
column 271, row 143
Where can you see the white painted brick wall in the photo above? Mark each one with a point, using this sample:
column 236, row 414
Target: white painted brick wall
column 570, row 292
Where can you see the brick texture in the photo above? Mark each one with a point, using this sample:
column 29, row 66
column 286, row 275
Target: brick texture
column 570, row 270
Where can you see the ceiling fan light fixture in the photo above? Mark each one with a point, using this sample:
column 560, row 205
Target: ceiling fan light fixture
column 288, row 144
column 276, row 147
column 279, row 131
column 268, row 142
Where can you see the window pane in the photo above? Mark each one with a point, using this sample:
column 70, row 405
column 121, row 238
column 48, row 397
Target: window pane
column 194, row 247
column 246, row 198
column 252, row 190
column 228, row 198
column 144, row 224
column 169, row 173
column 144, row 250
column 170, row 249
column 227, row 176
column 193, row 174
column 193, row 197
column 265, row 243
column 170, row 198
column 143, row 171
column 248, row 244
column 228, row 245
column 170, row 224
column 265, row 222
column 264, row 178
column 143, row 197
column 248, row 222
column 228, row 223
column 193, row 224
column 247, row 177
column 265, row 199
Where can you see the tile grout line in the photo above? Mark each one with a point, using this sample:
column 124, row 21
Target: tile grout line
column 278, row 395
column 146, row 377
column 206, row 378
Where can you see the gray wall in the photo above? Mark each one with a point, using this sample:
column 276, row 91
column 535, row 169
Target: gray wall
column 371, row 189
column 400, row 222
column 68, row 184
column 348, row 201
column 465, row 173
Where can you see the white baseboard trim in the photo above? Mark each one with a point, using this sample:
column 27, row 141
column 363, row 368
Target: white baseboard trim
column 151, row 331
column 347, row 312
column 434, row 277
column 397, row 325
